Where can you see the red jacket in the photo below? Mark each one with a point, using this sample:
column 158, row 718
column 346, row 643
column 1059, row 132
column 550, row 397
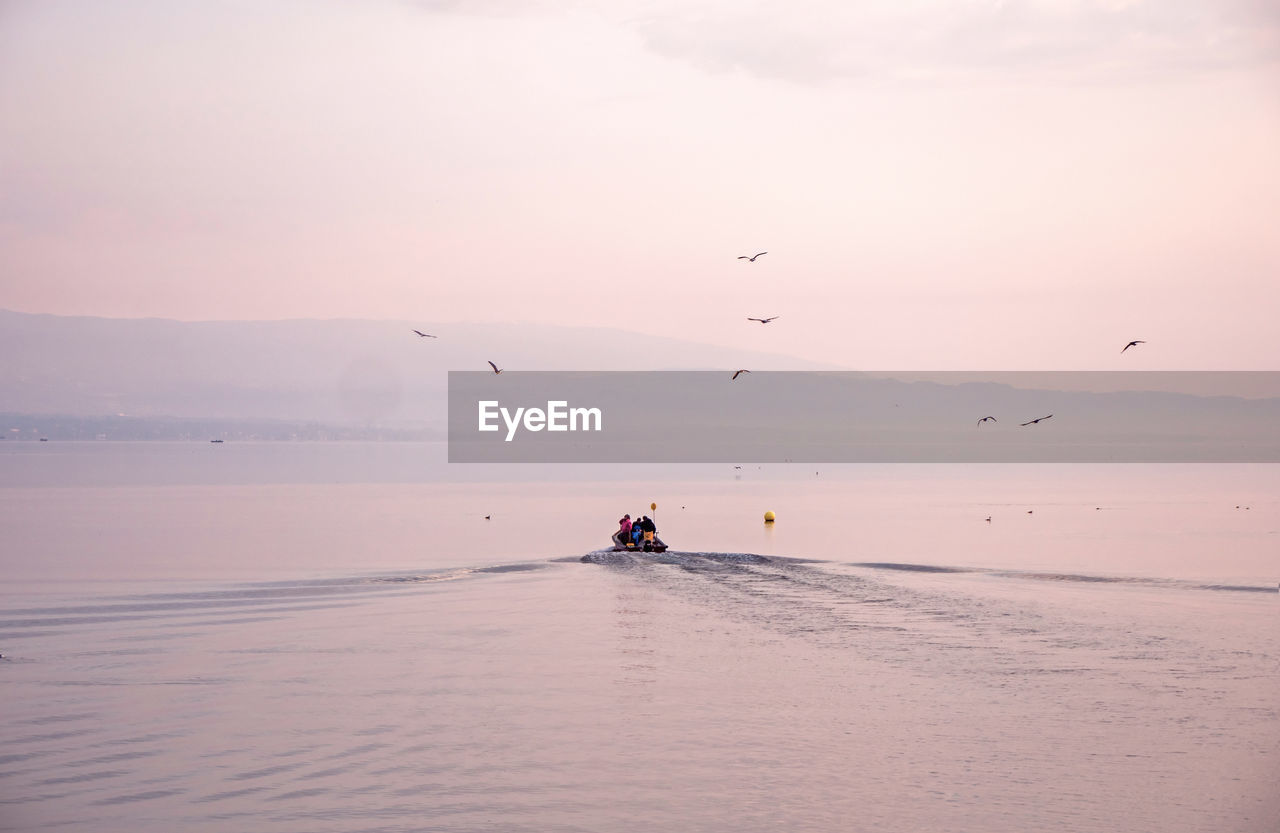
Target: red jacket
column 625, row 526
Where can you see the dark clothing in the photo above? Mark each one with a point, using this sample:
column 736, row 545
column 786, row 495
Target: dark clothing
column 646, row 525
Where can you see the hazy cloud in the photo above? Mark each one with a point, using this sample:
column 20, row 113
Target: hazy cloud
column 492, row 8
column 1089, row 40
column 912, row 40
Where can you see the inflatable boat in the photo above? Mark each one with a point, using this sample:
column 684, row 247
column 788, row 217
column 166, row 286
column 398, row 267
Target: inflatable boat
column 656, row 545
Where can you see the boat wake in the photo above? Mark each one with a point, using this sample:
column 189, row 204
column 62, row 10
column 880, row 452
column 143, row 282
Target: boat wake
column 874, row 611
column 619, row 559
column 1084, row 578
column 154, row 613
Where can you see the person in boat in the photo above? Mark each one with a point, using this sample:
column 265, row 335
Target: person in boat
column 637, row 533
column 624, row 530
column 649, row 530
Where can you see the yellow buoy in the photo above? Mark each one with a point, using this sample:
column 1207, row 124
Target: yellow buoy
column 768, row 517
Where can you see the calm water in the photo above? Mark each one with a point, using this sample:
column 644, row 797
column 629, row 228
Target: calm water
column 320, row 637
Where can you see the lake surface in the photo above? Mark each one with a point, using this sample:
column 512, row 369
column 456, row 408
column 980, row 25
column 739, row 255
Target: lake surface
column 332, row 637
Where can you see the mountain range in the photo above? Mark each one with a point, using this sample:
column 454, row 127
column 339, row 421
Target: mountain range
column 334, row 372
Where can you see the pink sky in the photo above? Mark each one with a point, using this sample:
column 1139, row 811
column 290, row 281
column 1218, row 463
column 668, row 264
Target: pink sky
column 939, row 184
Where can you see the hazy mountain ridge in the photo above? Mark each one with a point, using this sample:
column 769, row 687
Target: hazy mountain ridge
column 88, row 378
column 338, row 371
column 61, row 427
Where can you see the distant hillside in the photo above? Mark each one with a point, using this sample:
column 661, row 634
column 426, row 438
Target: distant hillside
column 343, row 372
column 54, row 427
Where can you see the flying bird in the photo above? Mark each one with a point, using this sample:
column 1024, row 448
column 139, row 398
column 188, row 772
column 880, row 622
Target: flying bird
column 764, row 320
column 496, row 369
column 488, row 517
column 1034, row 421
column 752, row 258
column 425, row 335
column 984, row 419
column 1132, row 344
column 737, row 373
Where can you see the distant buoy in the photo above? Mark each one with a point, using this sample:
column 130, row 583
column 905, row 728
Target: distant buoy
column 768, row 517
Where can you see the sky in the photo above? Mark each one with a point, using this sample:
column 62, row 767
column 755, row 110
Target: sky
column 939, row 184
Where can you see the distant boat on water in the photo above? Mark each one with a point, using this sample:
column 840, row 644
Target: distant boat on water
column 215, row 441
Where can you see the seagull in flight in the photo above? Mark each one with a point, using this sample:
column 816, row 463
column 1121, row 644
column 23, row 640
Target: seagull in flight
column 764, row 320
column 1034, row 421
column 1132, row 344
column 496, row 369
column 737, row 373
column 752, row 258
column 984, row 419
column 425, row 335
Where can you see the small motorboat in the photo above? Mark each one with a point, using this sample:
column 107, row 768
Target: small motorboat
column 656, row 545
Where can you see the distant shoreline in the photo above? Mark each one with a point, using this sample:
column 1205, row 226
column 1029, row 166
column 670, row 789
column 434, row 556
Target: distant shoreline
column 21, row 428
